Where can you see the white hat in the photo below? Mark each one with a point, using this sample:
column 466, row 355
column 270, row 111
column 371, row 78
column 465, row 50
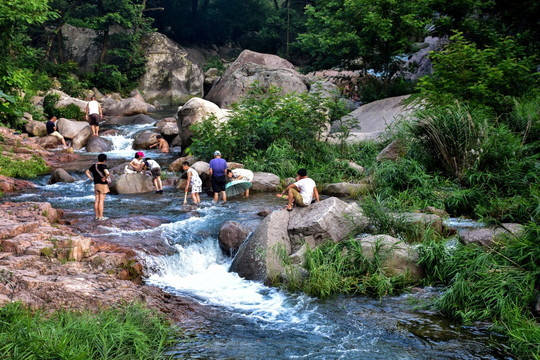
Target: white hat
column 217, row 153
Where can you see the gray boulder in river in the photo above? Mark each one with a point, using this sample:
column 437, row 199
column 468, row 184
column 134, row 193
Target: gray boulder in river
column 138, row 119
column 98, row 144
column 132, row 184
column 60, row 175
column 282, row 233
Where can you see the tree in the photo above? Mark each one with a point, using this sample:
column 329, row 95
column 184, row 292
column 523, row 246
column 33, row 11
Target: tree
column 370, row 34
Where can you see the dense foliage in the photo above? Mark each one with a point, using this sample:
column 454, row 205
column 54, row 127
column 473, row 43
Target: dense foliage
column 129, row 332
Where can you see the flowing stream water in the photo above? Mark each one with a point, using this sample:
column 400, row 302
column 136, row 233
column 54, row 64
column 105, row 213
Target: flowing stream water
column 244, row 319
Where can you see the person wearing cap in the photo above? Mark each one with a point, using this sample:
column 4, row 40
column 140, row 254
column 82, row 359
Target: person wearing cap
column 218, row 166
column 302, row 191
column 136, row 164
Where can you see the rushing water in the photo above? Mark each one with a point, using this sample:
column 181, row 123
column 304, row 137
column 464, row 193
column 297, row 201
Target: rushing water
column 245, row 319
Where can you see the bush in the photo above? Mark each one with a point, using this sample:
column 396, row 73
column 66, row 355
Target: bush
column 22, row 168
column 71, row 111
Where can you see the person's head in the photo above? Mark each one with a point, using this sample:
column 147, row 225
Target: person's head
column 229, row 172
column 102, row 157
column 137, row 155
column 53, row 119
column 93, row 97
column 159, row 137
column 185, row 165
column 217, row 153
column 302, row 173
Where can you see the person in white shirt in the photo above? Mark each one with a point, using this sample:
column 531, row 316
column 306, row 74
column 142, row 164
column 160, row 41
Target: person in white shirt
column 93, row 115
column 155, row 170
column 302, row 191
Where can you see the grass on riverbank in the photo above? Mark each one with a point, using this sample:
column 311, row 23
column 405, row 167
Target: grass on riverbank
column 130, row 332
column 22, row 168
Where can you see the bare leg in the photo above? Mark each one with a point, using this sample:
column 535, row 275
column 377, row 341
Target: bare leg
column 96, row 205
column 101, row 204
column 290, row 199
column 216, row 197
column 159, row 183
column 97, row 130
column 198, row 198
column 224, row 196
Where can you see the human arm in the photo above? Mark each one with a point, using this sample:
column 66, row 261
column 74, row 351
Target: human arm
column 87, row 111
column 316, row 193
column 292, row 186
column 89, row 174
column 211, row 171
column 188, row 180
column 100, row 111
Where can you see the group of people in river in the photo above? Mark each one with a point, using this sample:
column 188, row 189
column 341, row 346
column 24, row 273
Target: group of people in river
column 300, row 193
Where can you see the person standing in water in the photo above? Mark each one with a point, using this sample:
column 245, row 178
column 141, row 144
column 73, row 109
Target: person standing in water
column 217, row 175
column 194, row 181
column 99, row 174
column 93, row 115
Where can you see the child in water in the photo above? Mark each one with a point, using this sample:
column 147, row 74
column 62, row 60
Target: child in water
column 194, row 181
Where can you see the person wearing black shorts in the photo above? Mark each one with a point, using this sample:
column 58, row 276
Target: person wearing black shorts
column 94, row 114
column 217, row 174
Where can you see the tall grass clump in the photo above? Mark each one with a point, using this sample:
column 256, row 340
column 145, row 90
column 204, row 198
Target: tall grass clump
column 498, row 284
column 23, row 168
column 342, row 268
column 130, row 332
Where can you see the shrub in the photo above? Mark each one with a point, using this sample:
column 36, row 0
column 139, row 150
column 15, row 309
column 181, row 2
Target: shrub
column 22, row 168
column 71, row 111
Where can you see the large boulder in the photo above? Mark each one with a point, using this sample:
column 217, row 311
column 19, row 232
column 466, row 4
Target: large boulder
column 49, row 142
column 396, row 257
column 331, row 219
column 259, row 257
column 176, row 165
column 35, row 128
column 282, row 233
column 143, row 139
column 264, row 181
column 374, row 118
column 419, row 64
column 170, row 77
column 60, row 175
column 80, row 45
column 203, row 168
column 193, row 112
column 231, row 235
column 167, row 127
column 132, row 184
column 98, row 144
column 139, row 119
column 237, row 80
column 268, row 60
column 70, row 128
column 127, row 107
column 81, row 139
column 65, row 100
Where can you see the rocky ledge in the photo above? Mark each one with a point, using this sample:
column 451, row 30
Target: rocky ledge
column 46, row 264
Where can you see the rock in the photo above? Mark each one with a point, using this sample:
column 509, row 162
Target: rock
column 203, row 168
column 99, row 96
column 282, row 233
column 119, row 169
column 60, row 175
column 127, row 107
column 419, row 64
column 81, row 139
column 420, row 220
column 359, row 169
column 132, row 184
column 138, row 119
column 143, row 139
column 49, row 142
column 66, row 100
column 170, row 77
column 235, row 83
column 137, row 95
column 344, row 189
column 80, row 45
column 266, row 182
column 176, row 165
column 374, row 118
column 259, row 256
column 8, row 184
column 167, row 127
column 231, row 235
column 391, row 152
column 330, row 219
column 110, row 132
column 69, row 128
column 98, row 144
column 193, row 112
column 396, row 257
column 35, row 128
column 488, row 236
column 264, row 213
column 267, row 60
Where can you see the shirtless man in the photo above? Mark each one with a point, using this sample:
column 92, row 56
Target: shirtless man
column 161, row 144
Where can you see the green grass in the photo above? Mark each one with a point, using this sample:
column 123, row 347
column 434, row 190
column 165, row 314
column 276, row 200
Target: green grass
column 22, row 168
column 130, row 332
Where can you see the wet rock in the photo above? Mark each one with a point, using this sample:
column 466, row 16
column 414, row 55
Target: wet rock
column 132, row 184
column 81, row 139
column 231, row 235
column 110, row 132
column 266, row 182
column 487, row 236
column 264, row 213
column 98, row 144
column 143, row 139
column 397, row 258
column 60, row 175
column 8, row 184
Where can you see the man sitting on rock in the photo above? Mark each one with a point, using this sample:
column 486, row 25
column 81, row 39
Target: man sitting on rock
column 302, row 191
column 51, row 130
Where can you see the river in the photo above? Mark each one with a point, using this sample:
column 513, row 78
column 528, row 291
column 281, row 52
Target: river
column 242, row 319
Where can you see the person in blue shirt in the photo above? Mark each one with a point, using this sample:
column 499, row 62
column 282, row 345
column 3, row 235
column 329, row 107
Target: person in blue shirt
column 217, row 176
